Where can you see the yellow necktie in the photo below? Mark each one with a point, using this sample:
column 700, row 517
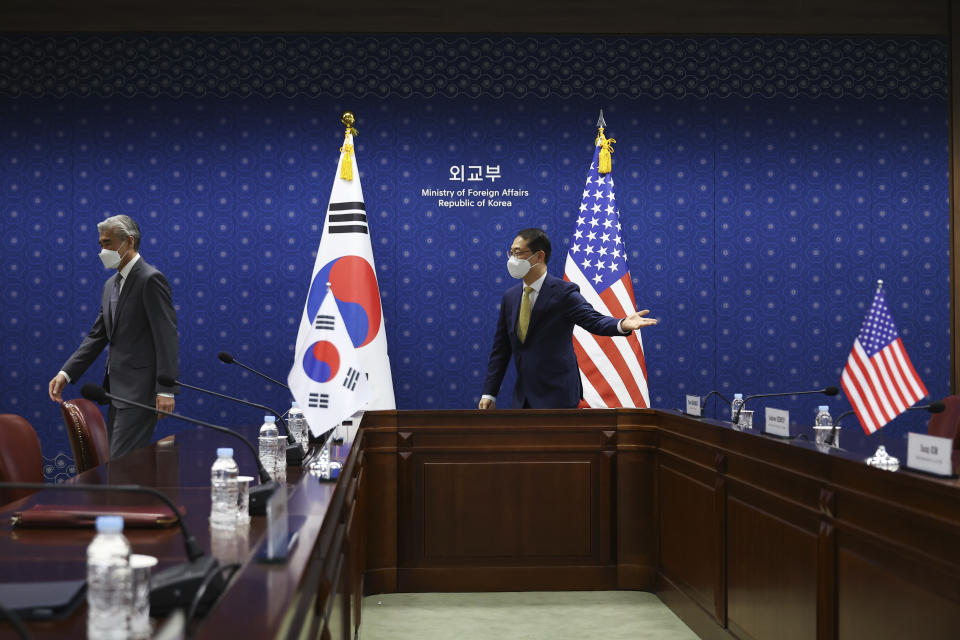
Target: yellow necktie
column 523, row 322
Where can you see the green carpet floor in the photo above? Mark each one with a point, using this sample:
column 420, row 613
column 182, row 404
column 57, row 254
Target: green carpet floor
column 555, row 615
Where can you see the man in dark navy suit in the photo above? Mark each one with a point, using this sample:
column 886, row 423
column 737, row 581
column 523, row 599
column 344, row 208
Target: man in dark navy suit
column 138, row 322
column 536, row 327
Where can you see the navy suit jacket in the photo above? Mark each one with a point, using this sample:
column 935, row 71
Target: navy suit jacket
column 143, row 342
column 547, row 374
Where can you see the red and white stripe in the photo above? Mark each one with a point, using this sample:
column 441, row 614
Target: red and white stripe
column 613, row 371
column 882, row 387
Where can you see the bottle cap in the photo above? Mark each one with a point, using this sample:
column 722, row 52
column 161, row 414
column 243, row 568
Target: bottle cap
column 824, row 407
column 109, row 524
column 738, row 396
column 269, row 418
column 225, row 451
column 295, row 405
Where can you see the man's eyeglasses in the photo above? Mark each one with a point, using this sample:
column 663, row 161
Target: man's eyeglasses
column 518, row 253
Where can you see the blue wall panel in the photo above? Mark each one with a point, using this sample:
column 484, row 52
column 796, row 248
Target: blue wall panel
column 764, row 185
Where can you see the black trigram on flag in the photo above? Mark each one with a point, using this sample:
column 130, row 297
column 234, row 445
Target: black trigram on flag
column 318, row 401
column 347, row 217
column 350, row 380
column 323, row 322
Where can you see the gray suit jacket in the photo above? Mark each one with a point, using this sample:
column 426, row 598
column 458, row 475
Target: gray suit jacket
column 143, row 341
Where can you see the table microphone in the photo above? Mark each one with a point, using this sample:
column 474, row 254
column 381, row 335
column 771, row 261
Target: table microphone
column 294, row 450
column 933, row 407
column 703, row 404
column 258, row 494
column 174, row 587
column 229, row 359
column 827, row 391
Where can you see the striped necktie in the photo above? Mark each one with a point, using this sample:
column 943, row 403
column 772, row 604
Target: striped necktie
column 523, row 322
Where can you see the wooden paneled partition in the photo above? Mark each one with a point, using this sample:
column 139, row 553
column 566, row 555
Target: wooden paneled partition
column 742, row 535
column 510, row 500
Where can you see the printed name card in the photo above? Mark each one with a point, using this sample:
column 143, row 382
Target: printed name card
column 693, row 405
column 930, row 454
column 777, row 422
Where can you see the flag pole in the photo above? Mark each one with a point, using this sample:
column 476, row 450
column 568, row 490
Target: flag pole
column 318, row 447
column 880, row 458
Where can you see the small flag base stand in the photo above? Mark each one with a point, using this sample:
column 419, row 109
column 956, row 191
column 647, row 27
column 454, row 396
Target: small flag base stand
column 883, row 460
column 318, row 461
column 322, row 467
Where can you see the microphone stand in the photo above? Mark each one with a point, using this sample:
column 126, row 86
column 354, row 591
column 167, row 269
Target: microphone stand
column 229, row 359
column 258, row 494
column 294, row 450
column 707, row 397
column 829, row 391
column 836, row 426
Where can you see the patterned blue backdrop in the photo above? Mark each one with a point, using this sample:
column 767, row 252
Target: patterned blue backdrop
column 764, row 185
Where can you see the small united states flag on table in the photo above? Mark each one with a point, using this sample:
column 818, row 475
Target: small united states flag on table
column 879, row 378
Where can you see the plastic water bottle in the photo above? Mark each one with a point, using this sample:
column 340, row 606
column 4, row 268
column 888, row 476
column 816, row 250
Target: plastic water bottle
column 297, row 424
column 823, row 418
column 823, row 426
column 735, row 407
column 270, row 449
column 224, row 490
column 109, row 581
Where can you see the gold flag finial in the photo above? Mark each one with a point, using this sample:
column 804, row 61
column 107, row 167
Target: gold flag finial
column 346, row 167
column 347, row 120
column 606, row 147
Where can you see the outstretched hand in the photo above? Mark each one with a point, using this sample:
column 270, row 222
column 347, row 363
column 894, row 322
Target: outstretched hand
column 637, row 320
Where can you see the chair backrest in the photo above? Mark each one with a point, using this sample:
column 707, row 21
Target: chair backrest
column 20, row 457
column 87, row 432
column 947, row 423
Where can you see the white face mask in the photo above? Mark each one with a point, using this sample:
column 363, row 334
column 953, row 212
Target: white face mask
column 517, row 267
column 111, row 259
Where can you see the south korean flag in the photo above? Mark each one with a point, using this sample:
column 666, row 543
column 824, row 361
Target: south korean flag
column 326, row 379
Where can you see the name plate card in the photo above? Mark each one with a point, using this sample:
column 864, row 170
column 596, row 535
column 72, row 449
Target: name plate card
column 777, row 422
column 930, row 454
column 693, row 406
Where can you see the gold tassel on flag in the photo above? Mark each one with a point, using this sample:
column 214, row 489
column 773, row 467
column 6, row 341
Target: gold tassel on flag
column 606, row 148
column 346, row 167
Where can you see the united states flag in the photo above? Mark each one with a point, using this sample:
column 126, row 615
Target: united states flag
column 613, row 370
column 879, row 378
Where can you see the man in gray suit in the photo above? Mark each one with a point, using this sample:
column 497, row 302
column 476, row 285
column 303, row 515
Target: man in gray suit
column 137, row 320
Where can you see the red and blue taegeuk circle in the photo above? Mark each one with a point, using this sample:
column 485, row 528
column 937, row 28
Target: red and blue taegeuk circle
column 321, row 361
column 354, row 286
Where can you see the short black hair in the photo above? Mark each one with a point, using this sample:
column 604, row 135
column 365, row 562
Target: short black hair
column 536, row 240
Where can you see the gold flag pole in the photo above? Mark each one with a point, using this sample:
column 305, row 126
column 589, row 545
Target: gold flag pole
column 346, row 167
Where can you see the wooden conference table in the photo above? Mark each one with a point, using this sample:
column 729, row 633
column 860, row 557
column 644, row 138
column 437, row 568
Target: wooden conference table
column 740, row 534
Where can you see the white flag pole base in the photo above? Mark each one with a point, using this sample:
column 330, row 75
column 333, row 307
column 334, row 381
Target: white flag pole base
column 883, row 460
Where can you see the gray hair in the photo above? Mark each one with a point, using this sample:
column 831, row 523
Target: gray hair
column 122, row 227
